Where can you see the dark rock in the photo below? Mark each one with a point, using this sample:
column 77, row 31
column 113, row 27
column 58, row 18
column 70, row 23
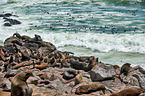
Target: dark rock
column 1, row 15
column 58, row 85
column 104, row 70
column 7, row 24
column 12, row 21
column 95, row 77
column 8, row 14
column 32, row 46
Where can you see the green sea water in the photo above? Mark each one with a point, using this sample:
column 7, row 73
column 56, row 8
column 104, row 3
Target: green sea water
column 113, row 30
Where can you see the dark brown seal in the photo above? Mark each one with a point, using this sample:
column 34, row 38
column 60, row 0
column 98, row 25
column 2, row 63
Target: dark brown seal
column 125, row 68
column 19, row 85
column 95, row 77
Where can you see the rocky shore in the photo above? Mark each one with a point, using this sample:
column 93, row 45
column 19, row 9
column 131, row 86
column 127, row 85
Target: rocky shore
column 56, row 73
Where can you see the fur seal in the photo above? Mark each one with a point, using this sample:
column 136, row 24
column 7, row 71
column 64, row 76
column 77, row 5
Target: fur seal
column 129, row 92
column 97, row 77
column 17, row 35
column 77, row 65
column 125, row 68
column 88, row 88
column 19, row 85
column 69, row 74
column 41, row 66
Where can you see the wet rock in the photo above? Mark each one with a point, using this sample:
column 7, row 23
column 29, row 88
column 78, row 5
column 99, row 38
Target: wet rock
column 8, row 14
column 12, row 21
column 113, row 86
column 104, row 70
column 59, row 86
column 134, row 77
column 33, row 80
column 7, row 24
column 95, row 77
column 32, row 46
column 11, row 73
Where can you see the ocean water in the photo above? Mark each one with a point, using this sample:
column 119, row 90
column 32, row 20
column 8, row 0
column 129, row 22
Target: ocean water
column 113, row 30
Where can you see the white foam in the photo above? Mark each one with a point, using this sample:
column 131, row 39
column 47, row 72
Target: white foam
column 3, row 1
column 100, row 42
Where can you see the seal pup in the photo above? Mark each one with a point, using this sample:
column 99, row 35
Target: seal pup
column 19, row 85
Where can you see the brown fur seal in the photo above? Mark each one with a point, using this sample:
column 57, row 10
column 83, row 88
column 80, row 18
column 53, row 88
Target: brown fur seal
column 95, row 77
column 69, row 74
column 41, row 66
column 19, row 85
column 63, row 60
column 129, row 92
column 125, row 68
column 84, row 89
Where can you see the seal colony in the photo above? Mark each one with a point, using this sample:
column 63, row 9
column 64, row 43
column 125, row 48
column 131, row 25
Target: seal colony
column 32, row 67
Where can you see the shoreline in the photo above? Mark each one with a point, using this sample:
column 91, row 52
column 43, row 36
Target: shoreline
column 62, row 73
